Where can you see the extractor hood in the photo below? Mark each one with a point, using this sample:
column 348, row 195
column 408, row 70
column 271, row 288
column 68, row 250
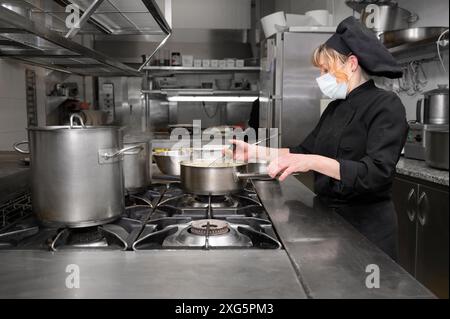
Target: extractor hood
column 38, row 35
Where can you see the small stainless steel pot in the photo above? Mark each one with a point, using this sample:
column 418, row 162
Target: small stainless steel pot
column 219, row 178
column 137, row 165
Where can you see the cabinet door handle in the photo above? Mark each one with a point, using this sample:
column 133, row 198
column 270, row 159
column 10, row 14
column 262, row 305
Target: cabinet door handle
column 422, row 216
column 411, row 207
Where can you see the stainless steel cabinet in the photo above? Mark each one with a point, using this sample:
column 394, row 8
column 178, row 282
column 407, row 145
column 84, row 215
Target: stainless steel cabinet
column 422, row 211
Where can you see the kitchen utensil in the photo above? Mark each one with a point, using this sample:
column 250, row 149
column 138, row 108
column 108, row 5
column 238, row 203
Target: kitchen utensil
column 76, row 173
column 224, row 177
column 389, row 17
column 234, row 147
column 406, row 36
column 136, row 164
column 169, row 162
column 437, row 146
column 433, row 109
column 359, row 5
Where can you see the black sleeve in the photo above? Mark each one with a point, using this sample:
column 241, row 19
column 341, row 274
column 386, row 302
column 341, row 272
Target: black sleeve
column 385, row 139
column 307, row 146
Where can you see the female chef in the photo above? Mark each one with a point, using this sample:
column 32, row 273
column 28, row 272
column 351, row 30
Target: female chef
column 356, row 145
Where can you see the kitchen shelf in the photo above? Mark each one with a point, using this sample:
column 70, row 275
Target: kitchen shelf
column 31, row 42
column 181, row 69
column 201, row 92
column 222, row 94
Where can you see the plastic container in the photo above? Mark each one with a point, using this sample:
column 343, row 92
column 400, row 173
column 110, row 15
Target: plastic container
column 270, row 22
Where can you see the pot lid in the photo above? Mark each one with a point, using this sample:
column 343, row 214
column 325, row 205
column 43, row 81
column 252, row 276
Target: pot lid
column 441, row 89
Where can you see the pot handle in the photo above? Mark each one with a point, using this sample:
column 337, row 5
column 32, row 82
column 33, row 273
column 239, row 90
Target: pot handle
column 21, row 151
column 256, row 175
column 107, row 155
column 80, row 119
column 419, row 111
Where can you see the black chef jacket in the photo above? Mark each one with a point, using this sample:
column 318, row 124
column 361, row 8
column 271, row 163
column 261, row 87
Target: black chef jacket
column 365, row 133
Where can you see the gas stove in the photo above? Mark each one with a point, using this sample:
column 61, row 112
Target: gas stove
column 160, row 217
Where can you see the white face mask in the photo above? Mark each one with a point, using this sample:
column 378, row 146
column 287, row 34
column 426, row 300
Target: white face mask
column 331, row 88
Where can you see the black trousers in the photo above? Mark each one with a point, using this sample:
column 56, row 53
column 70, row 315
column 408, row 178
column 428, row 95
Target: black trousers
column 377, row 222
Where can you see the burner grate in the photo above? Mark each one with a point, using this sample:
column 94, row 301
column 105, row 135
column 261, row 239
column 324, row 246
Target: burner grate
column 14, row 210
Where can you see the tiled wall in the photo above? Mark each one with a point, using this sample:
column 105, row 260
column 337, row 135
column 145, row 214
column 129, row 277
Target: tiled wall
column 13, row 114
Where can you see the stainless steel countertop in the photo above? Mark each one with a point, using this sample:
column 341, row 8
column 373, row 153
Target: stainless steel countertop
column 150, row 274
column 324, row 258
column 330, row 256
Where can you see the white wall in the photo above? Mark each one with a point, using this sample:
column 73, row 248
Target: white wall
column 13, row 113
column 211, row 14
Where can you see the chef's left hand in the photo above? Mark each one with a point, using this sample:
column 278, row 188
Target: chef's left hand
column 289, row 164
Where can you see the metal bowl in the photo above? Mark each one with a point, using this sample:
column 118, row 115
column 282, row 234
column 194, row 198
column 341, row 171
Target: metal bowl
column 414, row 36
column 169, row 162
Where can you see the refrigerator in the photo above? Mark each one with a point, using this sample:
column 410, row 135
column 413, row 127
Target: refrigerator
column 290, row 99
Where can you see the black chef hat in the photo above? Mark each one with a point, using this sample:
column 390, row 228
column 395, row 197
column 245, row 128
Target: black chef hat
column 353, row 37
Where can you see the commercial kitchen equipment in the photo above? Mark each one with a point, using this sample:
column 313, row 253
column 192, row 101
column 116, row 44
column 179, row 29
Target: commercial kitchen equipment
column 416, row 36
column 431, row 112
column 162, row 216
column 137, row 163
column 290, row 97
column 76, row 173
column 386, row 17
column 415, row 141
column 437, row 143
column 272, row 227
column 34, row 32
column 434, row 109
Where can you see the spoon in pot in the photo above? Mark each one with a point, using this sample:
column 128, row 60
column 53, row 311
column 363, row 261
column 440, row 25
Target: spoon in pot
column 234, row 147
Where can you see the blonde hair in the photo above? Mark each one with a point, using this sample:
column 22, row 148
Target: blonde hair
column 326, row 57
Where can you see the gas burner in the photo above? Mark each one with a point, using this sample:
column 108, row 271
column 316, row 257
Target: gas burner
column 228, row 236
column 105, row 236
column 151, row 195
column 198, row 201
column 137, row 212
column 211, row 227
column 184, row 233
column 86, row 237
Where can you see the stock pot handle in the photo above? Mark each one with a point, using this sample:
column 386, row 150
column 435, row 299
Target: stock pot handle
column 21, row 151
column 107, row 155
column 77, row 116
